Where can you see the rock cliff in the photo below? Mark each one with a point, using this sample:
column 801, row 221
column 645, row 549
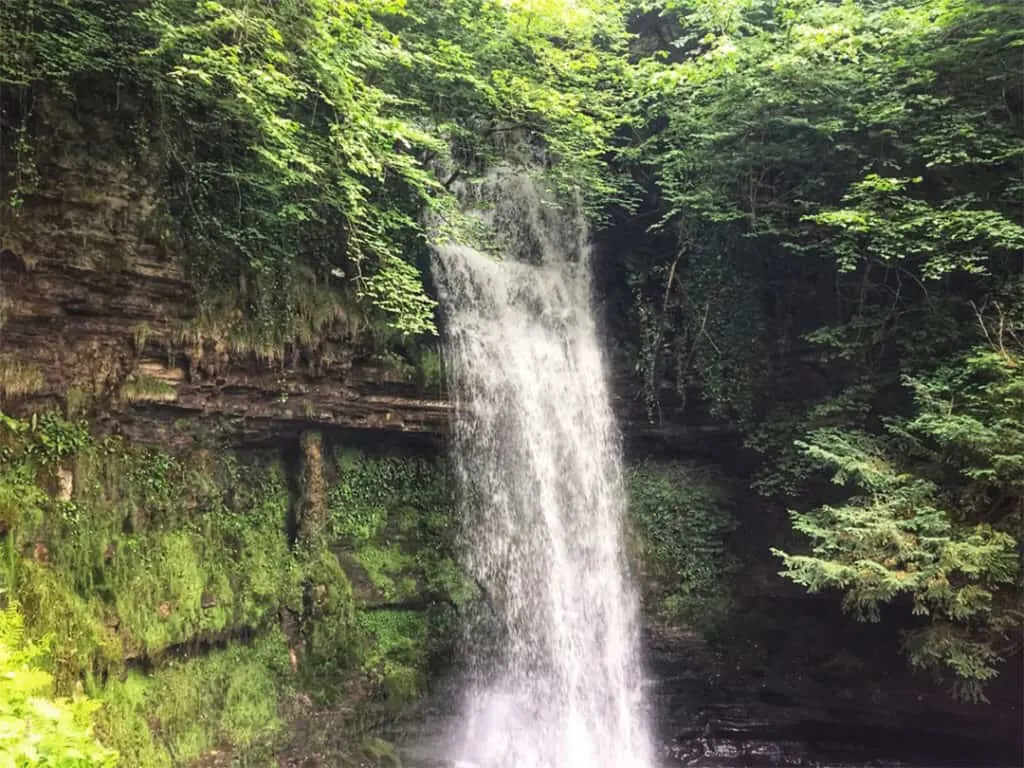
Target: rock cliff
column 96, row 312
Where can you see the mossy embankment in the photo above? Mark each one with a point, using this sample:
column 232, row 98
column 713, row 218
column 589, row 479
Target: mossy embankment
column 211, row 598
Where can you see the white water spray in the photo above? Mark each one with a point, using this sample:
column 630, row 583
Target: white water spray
column 555, row 681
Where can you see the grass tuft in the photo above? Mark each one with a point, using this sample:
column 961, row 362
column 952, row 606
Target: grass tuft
column 143, row 388
column 18, row 378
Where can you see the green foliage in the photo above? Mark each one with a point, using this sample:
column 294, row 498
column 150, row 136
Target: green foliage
column 123, row 724
column 836, row 200
column 45, row 438
column 37, row 729
column 302, row 153
column 367, row 486
column 407, row 498
column 938, row 518
column 681, row 515
column 300, row 144
column 828, row 257
column 838, row 157
column 504, row 81
column 430, row 368
column 21, row 500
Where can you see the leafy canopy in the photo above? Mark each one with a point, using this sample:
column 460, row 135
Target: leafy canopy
column 300, row 143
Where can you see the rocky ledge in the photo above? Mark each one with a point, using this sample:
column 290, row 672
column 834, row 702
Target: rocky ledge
column 112, row 338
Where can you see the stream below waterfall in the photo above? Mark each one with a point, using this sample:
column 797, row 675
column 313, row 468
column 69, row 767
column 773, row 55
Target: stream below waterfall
column 703, row 718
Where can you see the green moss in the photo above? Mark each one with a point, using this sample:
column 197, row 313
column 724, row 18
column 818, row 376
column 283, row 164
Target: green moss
column 388, row 569
column 397, row 519
column 158, row 582
column 354, row 523
column 147, row 543
column 370, row 490
column 396, row 644
column 135, row 489
column 331, row 592
column 156, row 553
column 187, row 707
column 80, row 642
column 401, row 684
column 124, row 724
column 445, row 577
column 140, row 335
column 329, row 626
column 190, row 564
column 398, row 636
column 265, row 575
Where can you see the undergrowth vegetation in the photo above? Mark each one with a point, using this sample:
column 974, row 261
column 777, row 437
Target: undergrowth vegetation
column 38, row 727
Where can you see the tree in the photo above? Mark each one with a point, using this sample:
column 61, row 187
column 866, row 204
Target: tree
column 843, row 185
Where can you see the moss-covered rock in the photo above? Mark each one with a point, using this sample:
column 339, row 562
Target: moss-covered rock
column 393, row 524
column 680, row 515
column 187, row 706
column 169, row 585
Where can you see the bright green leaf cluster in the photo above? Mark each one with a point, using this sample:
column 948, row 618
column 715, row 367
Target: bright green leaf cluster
column 37, row 729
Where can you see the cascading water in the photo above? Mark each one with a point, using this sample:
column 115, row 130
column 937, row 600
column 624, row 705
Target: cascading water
column 555, row 680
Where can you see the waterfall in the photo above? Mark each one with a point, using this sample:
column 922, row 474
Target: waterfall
column 555, row 680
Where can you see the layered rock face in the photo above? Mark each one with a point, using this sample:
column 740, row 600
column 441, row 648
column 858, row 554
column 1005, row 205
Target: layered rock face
column 111, row 335
column 96, row 309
